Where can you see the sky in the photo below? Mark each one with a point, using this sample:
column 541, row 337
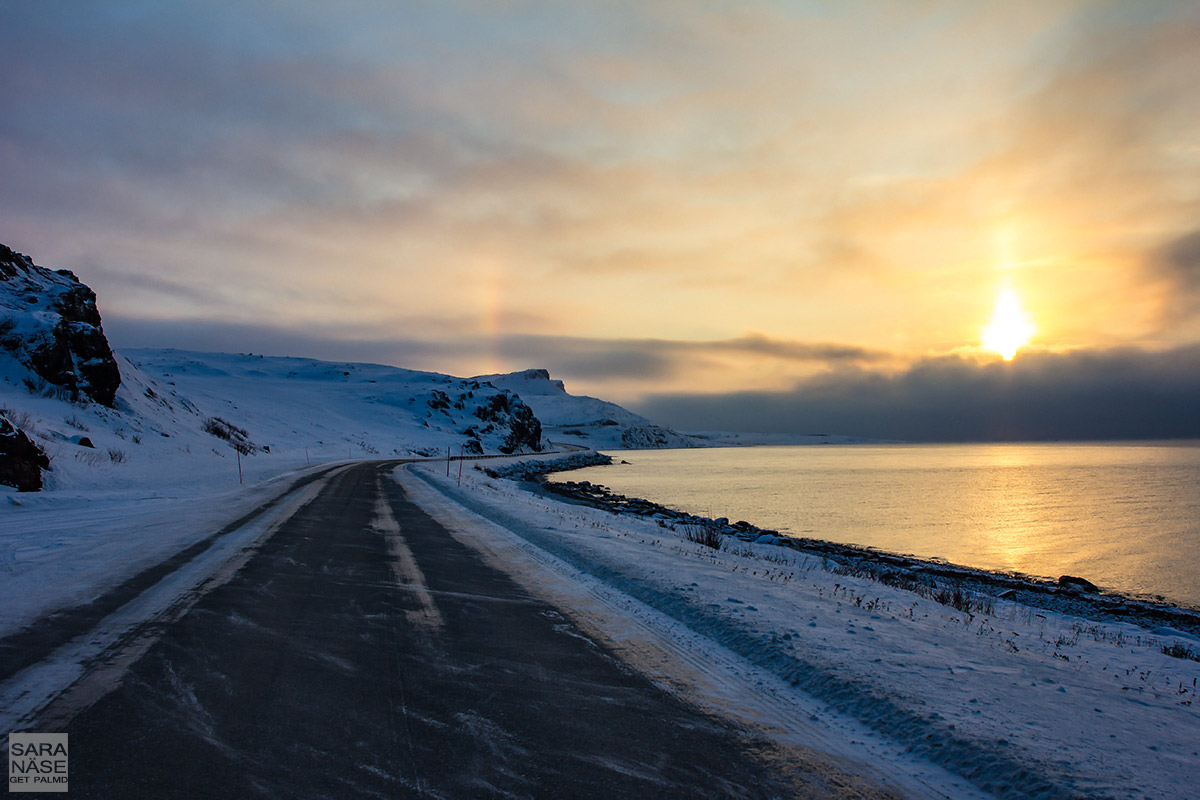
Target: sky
column 777, row 216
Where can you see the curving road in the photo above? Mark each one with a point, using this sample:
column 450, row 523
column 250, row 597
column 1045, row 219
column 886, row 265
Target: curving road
column 358, row 650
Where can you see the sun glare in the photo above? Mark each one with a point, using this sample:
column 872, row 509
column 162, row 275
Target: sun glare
column 1010, row 328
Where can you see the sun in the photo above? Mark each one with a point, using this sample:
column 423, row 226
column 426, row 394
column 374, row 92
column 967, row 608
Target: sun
column 1010, row 328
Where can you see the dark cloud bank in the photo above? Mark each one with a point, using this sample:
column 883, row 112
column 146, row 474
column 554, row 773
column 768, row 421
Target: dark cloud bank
column 1086, row 395
column 1083, row 395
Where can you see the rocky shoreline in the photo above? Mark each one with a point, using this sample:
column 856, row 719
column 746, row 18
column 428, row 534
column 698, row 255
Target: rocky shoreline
column 963, row 587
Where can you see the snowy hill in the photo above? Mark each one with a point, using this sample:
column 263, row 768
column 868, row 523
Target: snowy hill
column 581, row 420
column 370, row 408
column 188, row 415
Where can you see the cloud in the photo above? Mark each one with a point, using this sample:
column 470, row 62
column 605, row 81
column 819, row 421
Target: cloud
column 1177, row 268
column 228, row 337
column 1112, row 394
column 450, row 344
column 105, row 280
column 625, row 170
column 795, row 351
column 596, row 359
column 1183, row 256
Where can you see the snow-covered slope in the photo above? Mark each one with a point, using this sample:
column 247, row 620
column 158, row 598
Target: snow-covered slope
column 581, row 420
column 373, row 409
column 183, row 418
column 1015, row 700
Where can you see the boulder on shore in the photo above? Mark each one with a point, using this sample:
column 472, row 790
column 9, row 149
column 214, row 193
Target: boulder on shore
column 1072, row 583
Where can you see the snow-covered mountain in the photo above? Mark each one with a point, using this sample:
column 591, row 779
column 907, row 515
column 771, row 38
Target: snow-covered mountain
column 582, row 420
column 189, row 414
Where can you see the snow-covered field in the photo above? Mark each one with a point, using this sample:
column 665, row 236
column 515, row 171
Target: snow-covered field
column 1022, row 701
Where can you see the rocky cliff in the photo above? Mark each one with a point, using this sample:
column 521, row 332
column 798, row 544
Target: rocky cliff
column 50, row 324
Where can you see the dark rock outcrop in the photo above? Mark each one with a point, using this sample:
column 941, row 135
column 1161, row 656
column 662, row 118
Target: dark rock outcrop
column 535, row 470
column 49, row 321
column 1072, row 583
column 239, row 438
column 506, row 410
column 21, row 461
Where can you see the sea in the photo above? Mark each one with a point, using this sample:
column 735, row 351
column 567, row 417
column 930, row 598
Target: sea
column 1125, row 516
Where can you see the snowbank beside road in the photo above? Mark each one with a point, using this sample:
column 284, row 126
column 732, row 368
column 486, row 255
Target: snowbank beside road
column 60, row 552
column 1021, row 701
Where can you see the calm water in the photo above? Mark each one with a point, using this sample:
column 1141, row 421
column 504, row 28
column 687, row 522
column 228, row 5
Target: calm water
column 1125, row 516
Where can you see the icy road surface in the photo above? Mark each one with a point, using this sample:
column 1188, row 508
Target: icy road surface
column 340, row 642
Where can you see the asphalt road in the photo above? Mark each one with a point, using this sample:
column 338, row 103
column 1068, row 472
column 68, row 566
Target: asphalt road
column 364, row 652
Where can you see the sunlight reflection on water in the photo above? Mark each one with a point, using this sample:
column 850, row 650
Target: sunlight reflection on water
column 1125, row 516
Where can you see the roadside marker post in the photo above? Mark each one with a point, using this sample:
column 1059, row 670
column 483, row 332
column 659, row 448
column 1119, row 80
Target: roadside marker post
column 239, row 458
